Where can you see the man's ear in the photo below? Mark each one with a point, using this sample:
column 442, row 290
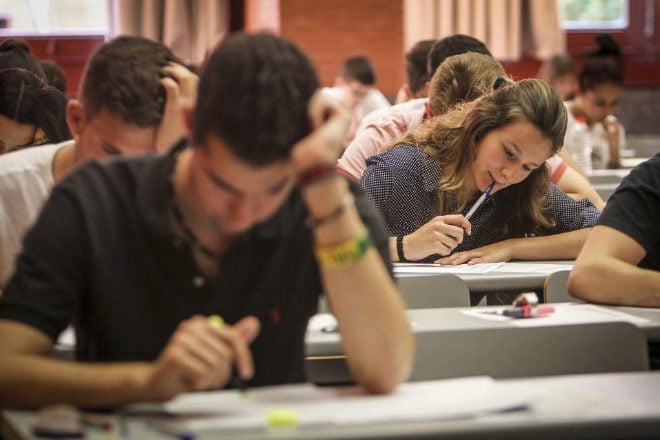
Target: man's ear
column 75, row 117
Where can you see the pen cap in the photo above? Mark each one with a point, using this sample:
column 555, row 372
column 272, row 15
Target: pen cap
column 526, row 298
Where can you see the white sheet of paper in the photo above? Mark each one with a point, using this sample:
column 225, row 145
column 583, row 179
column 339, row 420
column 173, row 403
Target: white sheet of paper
column 566, row 313
column 414, row 401
column 520, row 267
column 439, row 268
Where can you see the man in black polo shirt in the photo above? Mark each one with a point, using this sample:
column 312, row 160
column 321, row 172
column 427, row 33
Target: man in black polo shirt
column 251, row 222
column 620, row 261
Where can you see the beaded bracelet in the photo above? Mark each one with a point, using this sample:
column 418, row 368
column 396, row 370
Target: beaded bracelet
column 343, row 254
column 348, row 200
column 316, row 173
column 399, row 249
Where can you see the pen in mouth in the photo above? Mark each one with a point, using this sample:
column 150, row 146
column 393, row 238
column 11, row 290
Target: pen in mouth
column 480, row 200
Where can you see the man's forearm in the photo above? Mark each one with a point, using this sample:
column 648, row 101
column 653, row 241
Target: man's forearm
column 611, row 281
column 375, row 333
column 30, row 381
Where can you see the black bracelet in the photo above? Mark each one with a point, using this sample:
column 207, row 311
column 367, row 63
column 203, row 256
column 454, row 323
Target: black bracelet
column 348, row 200
column 399, row 249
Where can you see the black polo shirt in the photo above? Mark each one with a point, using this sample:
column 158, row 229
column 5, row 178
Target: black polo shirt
column 103, row 257
column 634, row 209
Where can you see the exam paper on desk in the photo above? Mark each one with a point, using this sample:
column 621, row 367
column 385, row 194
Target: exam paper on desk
column 400, row 268
column 566, row 313
column 414, row 401
column 480, row 268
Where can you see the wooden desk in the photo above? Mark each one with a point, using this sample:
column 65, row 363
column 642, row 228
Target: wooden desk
column 611, row 406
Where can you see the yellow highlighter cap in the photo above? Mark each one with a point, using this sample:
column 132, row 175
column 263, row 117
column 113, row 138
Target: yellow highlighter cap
column 282, row 417
column 216, row 320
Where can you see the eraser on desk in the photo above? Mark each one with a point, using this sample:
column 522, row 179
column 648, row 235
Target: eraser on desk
column 282, row 418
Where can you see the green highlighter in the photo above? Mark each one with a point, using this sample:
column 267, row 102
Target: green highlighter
column 236, row 382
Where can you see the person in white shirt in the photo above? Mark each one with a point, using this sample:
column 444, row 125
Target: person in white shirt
column 355, row 89
column 600, row 89
column 131, row 101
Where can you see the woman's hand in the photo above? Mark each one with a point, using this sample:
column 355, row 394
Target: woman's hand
column 492, row 253
column 440, row 235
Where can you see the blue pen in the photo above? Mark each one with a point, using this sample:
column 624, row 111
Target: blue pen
column 480, row 200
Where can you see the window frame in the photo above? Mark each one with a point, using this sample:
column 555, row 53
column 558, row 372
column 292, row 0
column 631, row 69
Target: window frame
column 641, row 53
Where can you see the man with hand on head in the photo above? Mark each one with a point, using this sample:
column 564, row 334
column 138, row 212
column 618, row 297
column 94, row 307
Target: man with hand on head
column 132, row 93
column 157, row 243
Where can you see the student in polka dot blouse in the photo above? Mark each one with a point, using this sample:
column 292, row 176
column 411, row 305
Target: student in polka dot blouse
column 426, row 184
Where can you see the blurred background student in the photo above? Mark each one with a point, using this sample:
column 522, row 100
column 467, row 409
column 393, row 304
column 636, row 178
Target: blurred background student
column 417, row 75
column 31, row 112
column 355, row 88
column 594, row 136
column 14, row 53
column 54, row 75
column 559, row 72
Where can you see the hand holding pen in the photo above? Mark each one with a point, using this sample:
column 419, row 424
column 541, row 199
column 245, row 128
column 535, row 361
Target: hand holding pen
column 438, row 236
column 442, row 233
column 201, row 355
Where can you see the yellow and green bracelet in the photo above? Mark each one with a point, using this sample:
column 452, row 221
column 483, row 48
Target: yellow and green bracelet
column 343, row 254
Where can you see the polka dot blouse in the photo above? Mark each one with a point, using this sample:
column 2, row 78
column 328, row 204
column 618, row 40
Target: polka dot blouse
column 402, row 183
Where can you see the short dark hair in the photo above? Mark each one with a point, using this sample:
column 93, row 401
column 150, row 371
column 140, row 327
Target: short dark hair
column 26, row 99
column 359, row 68
column 416, row 70
column 254, row 93
column 602, row 66
column 123, row 77
column 453, row 45
column 54, row 75
column 16, row 53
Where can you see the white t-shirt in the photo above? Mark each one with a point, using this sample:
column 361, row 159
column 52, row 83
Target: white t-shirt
column 373, row 101
column 26, row 180
column 593, row 151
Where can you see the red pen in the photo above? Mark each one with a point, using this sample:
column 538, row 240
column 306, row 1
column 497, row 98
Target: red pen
column 528, row 311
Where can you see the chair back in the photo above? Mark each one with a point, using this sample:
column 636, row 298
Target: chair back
column 555, row 290
column 429, row 292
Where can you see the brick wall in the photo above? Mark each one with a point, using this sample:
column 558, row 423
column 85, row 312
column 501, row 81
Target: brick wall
column 331, row 31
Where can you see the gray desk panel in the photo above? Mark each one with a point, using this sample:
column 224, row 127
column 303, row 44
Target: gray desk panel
column 450, row 344
column 495, row 281
column 652, row 328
